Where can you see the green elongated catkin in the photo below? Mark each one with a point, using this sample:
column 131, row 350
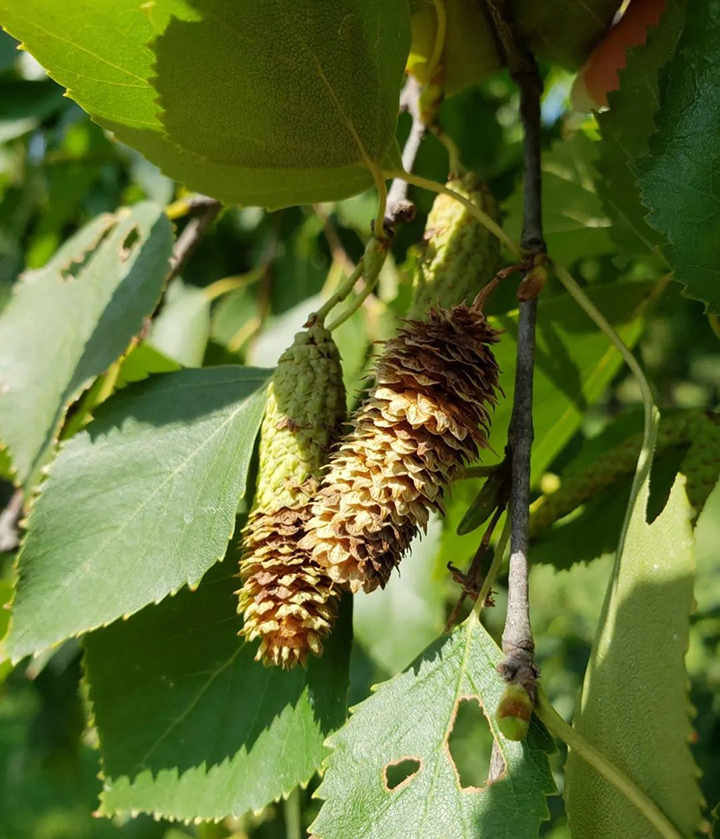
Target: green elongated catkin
column 287, row 600
column 701, row 464
column 699, row 431
column 459, row 256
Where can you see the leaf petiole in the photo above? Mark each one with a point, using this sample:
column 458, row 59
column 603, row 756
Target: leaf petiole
column 482, row 217
column 341, row 293
column 652, row 415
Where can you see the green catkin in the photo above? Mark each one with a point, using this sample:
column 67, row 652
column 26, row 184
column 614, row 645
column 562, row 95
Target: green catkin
column 459, row 256
column 699, row 431
column 287, row 600
column 701, row 464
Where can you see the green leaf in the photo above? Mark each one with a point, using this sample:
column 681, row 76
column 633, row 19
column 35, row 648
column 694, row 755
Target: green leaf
column 678, row 176
column 143, row 361
column 626, row 129
column 6, row 591
column 239, row 97
column 635, row 704
column 8, row 52
column 138, row 504
column 67, row 322
column 395, row 625
column 235, row 82
column 182, row 329
column 575, row 223
column 574, row 363
column 411, row 718
column 190, row 727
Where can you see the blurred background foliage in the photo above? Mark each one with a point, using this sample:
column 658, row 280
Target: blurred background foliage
column 247, row 289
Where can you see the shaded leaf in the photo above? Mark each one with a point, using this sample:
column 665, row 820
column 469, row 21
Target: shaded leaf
column 626, row 129
column 182, row 329
column 143, row 361
column 235, row 81
column 136, row 505
column 411, row 717
column 190, row 726
column 239, row 97
column 678, row 177
column 635, row 704
column 575, row 224
column 90, row 299
column 574, row 363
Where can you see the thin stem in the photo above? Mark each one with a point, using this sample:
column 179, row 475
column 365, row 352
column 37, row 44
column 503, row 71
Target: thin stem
column 652, row 415
column 480, row 471
column 190, row 238
column 494, row 567
column 246, row 331
column 355, row 305
column 341, row 293
column 584, row 749
column 410, row 102
column 381, row 186
column 455, row 166
column 228, row 284
column 482, row 217
column 109, row 381
column 439, row 45
column 101, row 389
column 293, row 819
column 517, row 637
column 517, row 640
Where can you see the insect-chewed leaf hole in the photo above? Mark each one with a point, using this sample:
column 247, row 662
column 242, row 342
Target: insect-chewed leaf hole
column 73, row 269
column 129, row 242
column 470, row 743
column 397, row 773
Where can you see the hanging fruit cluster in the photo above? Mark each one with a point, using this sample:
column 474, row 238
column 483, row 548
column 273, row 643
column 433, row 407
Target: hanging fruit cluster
column 308, row 537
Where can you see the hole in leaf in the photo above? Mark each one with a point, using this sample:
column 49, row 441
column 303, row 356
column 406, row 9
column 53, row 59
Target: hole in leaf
column 400, row 771
column 470, row 744
column 129, row 242
column 77, row 265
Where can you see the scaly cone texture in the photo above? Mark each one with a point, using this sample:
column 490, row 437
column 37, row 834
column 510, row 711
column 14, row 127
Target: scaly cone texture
column 459, row 256
column 426, row 416
column 287, row 600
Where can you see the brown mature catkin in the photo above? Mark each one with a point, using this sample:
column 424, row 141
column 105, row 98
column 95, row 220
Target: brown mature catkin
column 287, row 600
column 426, row 416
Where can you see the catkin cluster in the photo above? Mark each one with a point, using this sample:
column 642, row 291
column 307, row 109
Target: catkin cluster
column 426, row 416
column 287, row 600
